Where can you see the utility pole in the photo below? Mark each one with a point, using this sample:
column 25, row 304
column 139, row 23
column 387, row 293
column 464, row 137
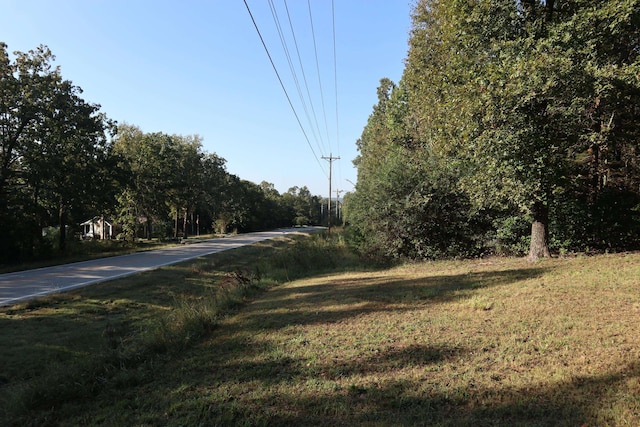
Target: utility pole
column 330, row 159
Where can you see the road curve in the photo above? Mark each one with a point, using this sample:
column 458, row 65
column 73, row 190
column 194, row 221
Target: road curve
column 23, row 285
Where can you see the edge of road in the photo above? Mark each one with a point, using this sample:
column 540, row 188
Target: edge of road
column 264, row 235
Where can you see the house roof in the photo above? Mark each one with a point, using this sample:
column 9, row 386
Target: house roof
column 95, row 221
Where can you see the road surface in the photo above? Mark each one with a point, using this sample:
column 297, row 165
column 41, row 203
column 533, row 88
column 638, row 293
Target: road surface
column 23, row 285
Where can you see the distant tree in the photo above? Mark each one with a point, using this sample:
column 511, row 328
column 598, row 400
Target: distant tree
column 171, row 178
column 233, row 212
column 188, row 188
column 275, row 212
column 150, row 162
column 302, row 206
column 214, row 177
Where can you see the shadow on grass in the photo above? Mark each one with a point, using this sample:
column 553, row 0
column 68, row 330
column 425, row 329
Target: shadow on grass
column 343, row 298
column 578, row 401
column 215, row 384
column 346, row 392
column 243, row 361
column 281, row 368
column 343, row 393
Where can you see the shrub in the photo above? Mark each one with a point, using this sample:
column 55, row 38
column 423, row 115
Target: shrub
column 513, row 235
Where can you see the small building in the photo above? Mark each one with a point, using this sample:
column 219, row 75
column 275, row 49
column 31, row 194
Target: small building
column 96, row 228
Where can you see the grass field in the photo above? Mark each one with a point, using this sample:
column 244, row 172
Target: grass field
column 305, row 334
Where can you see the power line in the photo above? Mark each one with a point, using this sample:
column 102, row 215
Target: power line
column 318, row 138
column 282, row 84
column 315, row 49
column 285, row 48
column 304, row 77
column 335, row 78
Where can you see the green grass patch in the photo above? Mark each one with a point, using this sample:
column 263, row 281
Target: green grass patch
column 212, row 342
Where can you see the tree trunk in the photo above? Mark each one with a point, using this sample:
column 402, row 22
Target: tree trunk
column 62, row 221
column 184, row 224
column 539, row 232
column 149, row 228
column 175, row 229
column 595, row 177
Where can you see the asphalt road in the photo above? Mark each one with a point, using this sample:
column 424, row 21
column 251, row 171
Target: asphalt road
column 23, row 285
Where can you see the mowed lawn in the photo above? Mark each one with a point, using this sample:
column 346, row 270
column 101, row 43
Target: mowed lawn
column 483, row 342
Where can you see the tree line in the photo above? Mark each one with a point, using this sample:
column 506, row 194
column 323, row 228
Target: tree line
column 63, row 161
column 514, row 129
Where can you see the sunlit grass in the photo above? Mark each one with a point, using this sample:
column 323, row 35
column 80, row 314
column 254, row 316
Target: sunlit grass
column 473, row 343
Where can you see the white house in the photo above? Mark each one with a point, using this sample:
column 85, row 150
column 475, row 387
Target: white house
column 97, row 228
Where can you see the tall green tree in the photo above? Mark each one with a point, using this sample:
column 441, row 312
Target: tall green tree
column 70, row 156
column 54, row 148
column 605, row 40
column 214, row 176
column 171, row 179
column 407, row 201
column 188, row 188
column 23, row 84
column 26, row 86
column 150, row 160
column 303, row 208
column 507, row 88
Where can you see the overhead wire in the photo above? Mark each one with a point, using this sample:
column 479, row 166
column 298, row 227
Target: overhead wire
column 283, row 42
column 335, row 80
column 318, row 137
column 275, row 69
column 304, row 76
column 315, row 49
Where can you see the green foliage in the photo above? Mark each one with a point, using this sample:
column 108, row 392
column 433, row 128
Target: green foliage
column 512, row 236
column 302, row 206
column 412, row 210
column 532, row 105
column 54, row 154
column 247, row 206
column 616, row 220
column 127, row 216
column 315, row 254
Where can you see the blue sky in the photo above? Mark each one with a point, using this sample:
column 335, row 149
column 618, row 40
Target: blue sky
column 198, row 67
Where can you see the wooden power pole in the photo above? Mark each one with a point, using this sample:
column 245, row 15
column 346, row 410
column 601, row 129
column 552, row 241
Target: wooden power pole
column 330, row 159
